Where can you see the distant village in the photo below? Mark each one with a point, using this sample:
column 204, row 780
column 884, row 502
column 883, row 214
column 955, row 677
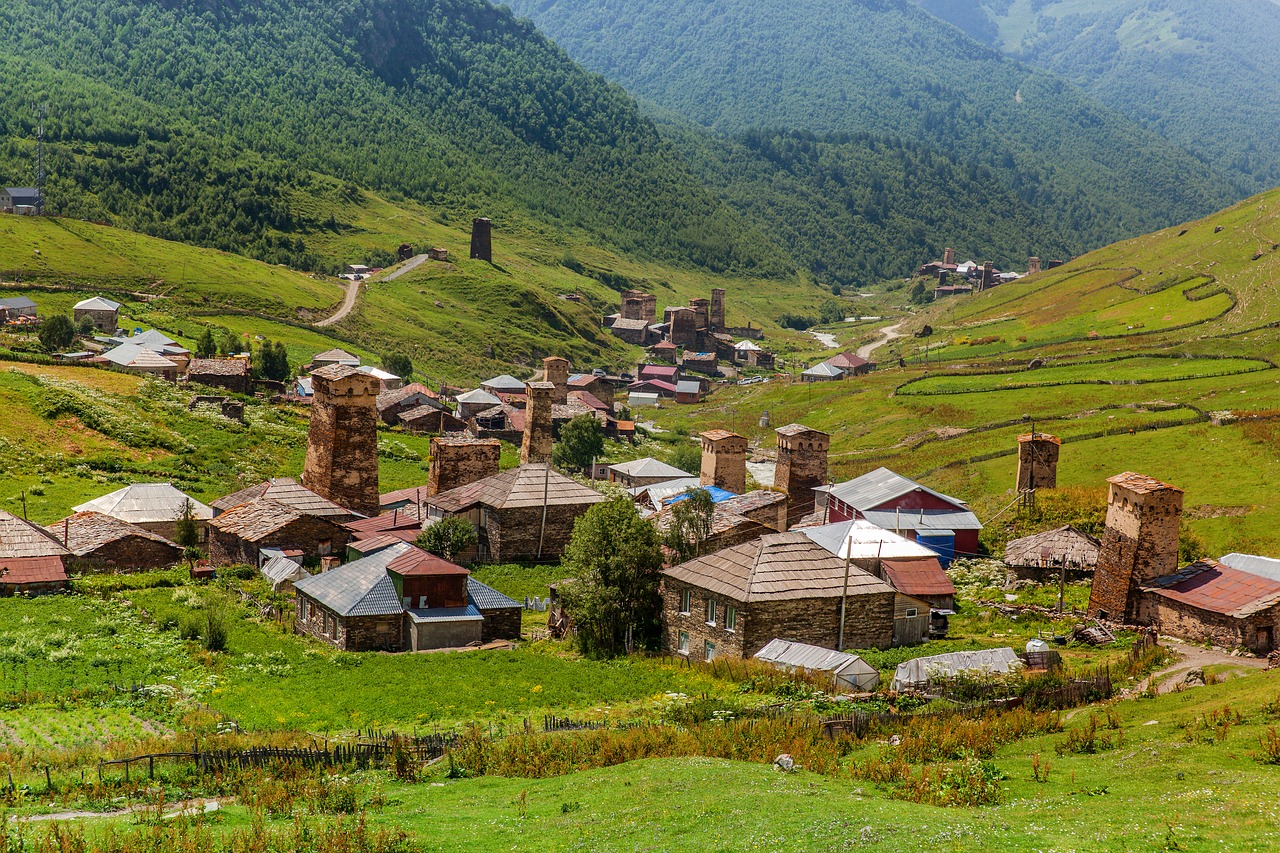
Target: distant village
column 963, row 279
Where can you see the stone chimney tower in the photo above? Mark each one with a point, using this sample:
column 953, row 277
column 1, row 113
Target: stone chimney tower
column 1038, row 461
column 1140, row 543
column 342, row 443
column 701, row 312
column 724, row 461
column 988, row 275
column 717, row 309
column 536, row 446
column 459, row 460
column 802, row 467
column 482, row 240
column 556, row 371
column 948, row 256
column 1033, row 265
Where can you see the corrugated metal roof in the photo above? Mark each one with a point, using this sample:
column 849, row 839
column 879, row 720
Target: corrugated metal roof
column 86, row 532
column 22, row 539
column 97, row 303
column 1210, row 585
column 918, row 577
column 1062, row 546
column 792, row 655
column 526, row 486
column 479, row 396
column 823, row 369
column 688, row 386
column 28, row 570
column 880, row 486
column 281, row 569
column 504, row 382
column 359, row 588
column 17, row 302
column 648, row 467
column 923, row 520
column 1263, row 567
column 862, row 540
column 777, row 566
column 146, row 503
column 152, row 339
column 418, row 563
column 337, row 356
column 139, row 356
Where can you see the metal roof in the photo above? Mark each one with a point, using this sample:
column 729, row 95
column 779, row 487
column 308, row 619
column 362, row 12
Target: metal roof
column 337, row 356
column 747, row 346
column 97, row 303
column 146, row 503
column 27, row 570
column 923, row 520
column 17, row 302
column 359, row 588
column 376, row 372
column 152, row 339
column 479, row 396
column 281, row 569
column 648, row 467
column 445, row 614
column 1210, row 585
column 918, row 577
column 775, row 567
column 688, row 386
column 139, row 356
column 862, row 540
column 1263, row 567
column 486, row 597
column 718, row 495
column 504, row 382
column 824, row 369
column 880, row 486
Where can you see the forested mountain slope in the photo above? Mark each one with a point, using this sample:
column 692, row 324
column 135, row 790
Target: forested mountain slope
column 887, row 67
column 211, row 122
column 1203, row 75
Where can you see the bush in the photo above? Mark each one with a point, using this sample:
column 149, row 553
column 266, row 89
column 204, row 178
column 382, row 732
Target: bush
column 215, row 629
column 448, row 538
column 57, row 333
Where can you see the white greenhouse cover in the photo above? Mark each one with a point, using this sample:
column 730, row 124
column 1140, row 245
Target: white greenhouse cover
column 850, row 671
column 915, row 674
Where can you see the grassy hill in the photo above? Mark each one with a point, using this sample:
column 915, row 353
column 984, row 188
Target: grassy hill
column 887, row 67
column 1173, row 66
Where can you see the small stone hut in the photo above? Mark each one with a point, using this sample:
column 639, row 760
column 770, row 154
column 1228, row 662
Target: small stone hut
column 240, row 534
column 99, row 541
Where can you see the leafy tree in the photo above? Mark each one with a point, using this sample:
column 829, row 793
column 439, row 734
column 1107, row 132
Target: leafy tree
column 689, row 525
column 206, row 346
column 230, row 343
column 616, row 562
column 448, row 538
column 85, row 326
column 186, row 528
column 57, row 333
column 398, row 363
column 686, row 456
column 273, row 361
column 581, row 442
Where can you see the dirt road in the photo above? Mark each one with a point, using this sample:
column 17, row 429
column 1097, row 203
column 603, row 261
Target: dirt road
column 887, row 334
column 353, row 290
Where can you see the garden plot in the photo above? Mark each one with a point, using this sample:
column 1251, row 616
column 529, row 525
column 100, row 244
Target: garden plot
column 43, row 727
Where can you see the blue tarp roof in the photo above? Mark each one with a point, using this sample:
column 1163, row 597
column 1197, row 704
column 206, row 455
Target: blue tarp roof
column 718, row 495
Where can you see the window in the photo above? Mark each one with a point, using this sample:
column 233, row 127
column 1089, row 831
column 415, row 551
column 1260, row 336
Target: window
column 911, row 612
column 686, row 601
column 730, row 618
column 684, row 642
column 711, row 650
column 711, row 611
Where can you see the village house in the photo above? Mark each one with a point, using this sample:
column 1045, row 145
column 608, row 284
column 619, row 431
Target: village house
column 664, row 352
column 1208, row 601
column 102, row 312
column 290, row 492
column 152, row 506
column 688, row 391
column 391, row 403
column 16, row 307
column 140, row 359
column 822, row 373
column 430, row 419
column 850, row 364
column 503, row 384
column 781, row 586
column 401, row 598
column 240, row 534
column 100, row 542
column 643, row 472
column 32, row 562
column 526, row 513
column 893, row 502
column 282, row 573
column 474, row 402
column 233, row 374
column 387, row 380
column 19, row 200
column 705, row 363
column 328, row 358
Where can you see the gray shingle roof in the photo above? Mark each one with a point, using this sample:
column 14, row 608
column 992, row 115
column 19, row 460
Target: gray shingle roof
column 520, row 487
column 290, row 492
column 17, row 302
column 505, row 382
column 20, row 538
column 486, row 597
column 145, row 503
column 359, row 588
column 86, row 532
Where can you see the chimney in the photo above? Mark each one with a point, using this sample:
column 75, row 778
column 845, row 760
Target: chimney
column 717, row 309
column 459, row 460
column 556, row 371
column 724, row 461
column 536, row 446
column 801, row 468
column 482, row 240
column 1033, row 265
column 948, row 256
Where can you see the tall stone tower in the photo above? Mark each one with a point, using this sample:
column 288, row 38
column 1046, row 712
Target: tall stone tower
column 724, row 461
column 482, row 240
column 342, row 444
column 1038, row 461
column 802, row 467
column 459, row 460
column 717, row 309
column 948, row 256
column 556, row 371
column 1140, row 544
column 1033, row 265
column 701, row 313
column 536, row 446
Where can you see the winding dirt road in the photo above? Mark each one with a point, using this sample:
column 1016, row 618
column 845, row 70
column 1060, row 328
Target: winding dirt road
column 353, row 290
column 888, row 333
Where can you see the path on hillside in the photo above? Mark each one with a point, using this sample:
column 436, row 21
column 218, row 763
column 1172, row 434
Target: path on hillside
column 185, row 807
column 888, row 333
column 409, row 265
column 353, row 290
column 1193, row 657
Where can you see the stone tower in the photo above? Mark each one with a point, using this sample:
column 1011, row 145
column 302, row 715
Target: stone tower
column 1140, row 543
column 802, row 467
column 948, row 256
column 724, row 461
column 556, row 371
column 342, row 443
column 988, row 275
column 536, row 446
column 683, row 326
column 1033, row 265
column 701, row 313
column 482, row 240
column 459, row 460
column 717, row 309
column 1038, row 461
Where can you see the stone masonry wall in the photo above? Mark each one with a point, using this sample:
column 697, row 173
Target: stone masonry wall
column 724, row 461
column 305, row 534
column 501, row 624
column 513, row 533
column 131, row 552
column 461, row 461
column 342, row 442
column 1140, row 544
column 1038, row 462
column 1189, row 623
column 538, row 437
column 350, row 633
column 801, row 467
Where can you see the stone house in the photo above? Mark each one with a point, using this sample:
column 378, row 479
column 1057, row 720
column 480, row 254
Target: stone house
column 99, row 542
column 240, row 534
column 32, row 561
column 290, row 492
column 401, row 598
column 701, row 362
column 152, row 506
column 233, row 374
column 1211, row 602
column 331, row 357
column 19, row 306
column 631, row 331
column 780, row 586
column 391, row 404
column 474, row 402
column 643, row 472
column 102, row 312
column 526, row 513
column 850, row 364
column 597, row 386
column 137, row 358
column 430, row 419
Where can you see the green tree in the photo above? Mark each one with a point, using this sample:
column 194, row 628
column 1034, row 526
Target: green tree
column 272, row 362
column 448, row 538
column 581, row 442
column 85, row 326
column 687, row 457
column 615, row 559
column 281, row 361
column 206, row 346
column 398, row 363
column 57, row 333
column 689, row 524
column 230, row 343
column 186, row 528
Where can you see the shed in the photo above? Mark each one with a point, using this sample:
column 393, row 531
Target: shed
column 849, row 672
column 153, row 506
column 233, row 374
column 918, row 673
column 100, row 541
column 688, row 391
column 283, row 572
column 822, row 373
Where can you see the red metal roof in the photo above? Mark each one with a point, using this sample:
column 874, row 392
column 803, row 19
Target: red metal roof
column 1209, row 585
column 918, row 577
column 404, row 518
column 28, row 570
column 418, row 563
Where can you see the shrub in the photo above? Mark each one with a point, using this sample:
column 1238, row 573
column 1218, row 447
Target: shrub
column 1088, row 740
column 1270, row 740
column 215, row 629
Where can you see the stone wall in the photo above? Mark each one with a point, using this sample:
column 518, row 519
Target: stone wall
column 1038, row 461
column 459, row 461
column 350, row 633
column 513, row 533
column 1140, row 544
column 683, row 331
column 724, row 461
column 1257, row 632
column 131, row 552
column 501, row 623
column 701, row 313
column 538, row 437
column 342, row 442
column 694, row 623
column 802, row 467
column 307, row 534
